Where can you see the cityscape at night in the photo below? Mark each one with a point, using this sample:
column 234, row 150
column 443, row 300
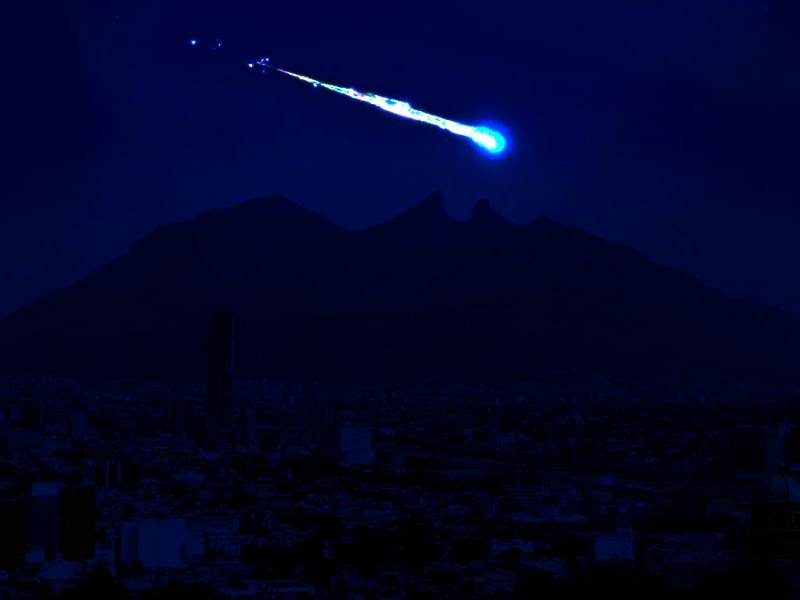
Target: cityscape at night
column 475, row 301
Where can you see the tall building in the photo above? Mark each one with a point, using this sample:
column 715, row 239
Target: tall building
column 44, row 522
column 181, row 415
column 77, row 423
column 345, row 443
column 250, row 426
column 777, row 437
column 775, row 524
column 153, row 542
column 355, row 445
column 13, row 524
column 755, row 452
column 27, row 413
column 220, row 373
column 77, row 522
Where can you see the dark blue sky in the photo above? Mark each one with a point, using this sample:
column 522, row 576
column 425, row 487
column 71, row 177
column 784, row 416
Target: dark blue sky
column 670, row 126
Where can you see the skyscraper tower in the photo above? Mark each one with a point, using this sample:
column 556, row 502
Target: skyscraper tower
column 44, row 522
column 220, row 374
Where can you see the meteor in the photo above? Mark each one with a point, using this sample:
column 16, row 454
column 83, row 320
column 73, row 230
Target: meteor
column 486, row 138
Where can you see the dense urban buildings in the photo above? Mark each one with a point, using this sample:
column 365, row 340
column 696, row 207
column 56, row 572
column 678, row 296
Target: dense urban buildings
column 441, row 490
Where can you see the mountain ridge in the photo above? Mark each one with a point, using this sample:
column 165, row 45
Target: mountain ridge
column 419, row 295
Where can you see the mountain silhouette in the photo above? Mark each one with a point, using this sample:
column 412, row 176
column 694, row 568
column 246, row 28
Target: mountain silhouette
column 421, row 295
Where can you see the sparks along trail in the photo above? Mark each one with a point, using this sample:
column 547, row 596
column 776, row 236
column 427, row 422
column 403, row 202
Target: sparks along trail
column 486, row 138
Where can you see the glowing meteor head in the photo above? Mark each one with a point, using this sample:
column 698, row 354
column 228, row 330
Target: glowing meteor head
column 490, row 140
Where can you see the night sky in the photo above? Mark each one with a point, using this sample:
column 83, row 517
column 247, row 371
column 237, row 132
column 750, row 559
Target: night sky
column 670, row 126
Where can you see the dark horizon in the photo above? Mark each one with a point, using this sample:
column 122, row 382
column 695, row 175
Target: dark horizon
column 420, row 296
column 464, row 217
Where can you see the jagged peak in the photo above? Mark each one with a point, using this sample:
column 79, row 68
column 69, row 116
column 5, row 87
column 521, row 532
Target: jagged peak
column 432, row 204
column 428, row 210
column 433, row 200
column 483, row 212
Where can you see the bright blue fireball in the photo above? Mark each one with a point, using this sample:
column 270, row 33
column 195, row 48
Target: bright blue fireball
column 490, row 140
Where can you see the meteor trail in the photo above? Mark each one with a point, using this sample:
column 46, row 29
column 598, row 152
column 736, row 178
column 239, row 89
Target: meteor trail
column 488, row 139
